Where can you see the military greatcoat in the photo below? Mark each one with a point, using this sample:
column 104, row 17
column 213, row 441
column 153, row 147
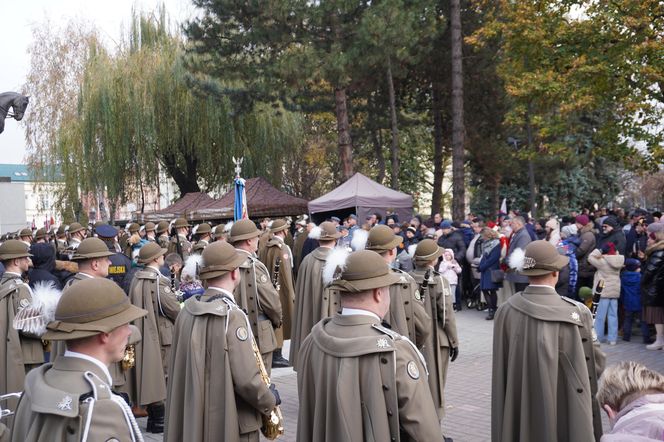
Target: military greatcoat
column 220, row 394
column 150, row 290
column 436, row 350
column 359, row 381
column 277, row 251
column 260, row 301
column 545, row 370
column 407, row 315
column 62, row 399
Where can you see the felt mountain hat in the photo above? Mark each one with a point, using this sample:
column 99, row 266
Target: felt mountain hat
column 203, row 228
column 133, row 228
column 162, row 227
column 41, row 233
column 12, row 249
column 541, row 258
column 25, row 232
column 364, row 270
column 61, row 230
column 278, row 225
column 75, row 227
column 244, row 229
column 427, row 250
column 97, row 224
column 150, row 227
column 90, row 307
column 328, row 232
column 181, row 222
column 150, row 252
column 106, row 231
column 91, row 248
column 382, row 239
column 220, row 258
column 219, row 230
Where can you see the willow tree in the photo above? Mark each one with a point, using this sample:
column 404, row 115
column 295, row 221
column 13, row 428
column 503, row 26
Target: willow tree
column 137, row 115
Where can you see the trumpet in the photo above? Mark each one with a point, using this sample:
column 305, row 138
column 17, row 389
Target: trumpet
column 129, row 358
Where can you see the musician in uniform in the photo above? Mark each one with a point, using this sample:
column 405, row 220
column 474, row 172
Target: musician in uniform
column 180, row 244
column 162, row 234
column 256, row 294
column 442, row 344
column 76, row 235
column 204, row 234
column 72, row 399
column 278, row 259
column 546, row 361
column 221, row 393
column 358, row 380
column 407, row 315
column 19, row 351
column 151, row 291
column 313, row 301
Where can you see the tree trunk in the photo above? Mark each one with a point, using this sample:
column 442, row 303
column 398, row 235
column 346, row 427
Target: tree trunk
column 380, row 158
column 438, row 169
column 458, row 160
column 186, row 180
column 343, row 131
column 531, row 169
column 394, row 147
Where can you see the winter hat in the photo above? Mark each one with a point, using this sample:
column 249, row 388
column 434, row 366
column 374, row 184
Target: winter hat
column 611, row 221
column 585, row 293
column 569, row 230
column 632, row 264
column 582, row 219
column 446, row 225
column 655, row 227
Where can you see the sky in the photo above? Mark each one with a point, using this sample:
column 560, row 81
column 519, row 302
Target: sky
column 19, row 18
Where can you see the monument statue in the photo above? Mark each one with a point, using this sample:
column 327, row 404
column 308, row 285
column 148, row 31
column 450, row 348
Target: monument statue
column 13, row 100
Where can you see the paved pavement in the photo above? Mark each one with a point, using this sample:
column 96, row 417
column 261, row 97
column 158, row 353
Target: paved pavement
column 468, row 391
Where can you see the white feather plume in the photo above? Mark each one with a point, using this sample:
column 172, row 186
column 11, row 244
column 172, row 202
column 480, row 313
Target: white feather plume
column 517, row 259
column 193, row 262
column 359, row 241
column 315, row 232
column 195, row 229
column 228, row 226
column 411, row 250
column 335, row 260
column 34, row 317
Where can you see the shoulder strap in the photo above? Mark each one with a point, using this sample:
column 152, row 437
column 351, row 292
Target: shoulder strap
column 397, row 337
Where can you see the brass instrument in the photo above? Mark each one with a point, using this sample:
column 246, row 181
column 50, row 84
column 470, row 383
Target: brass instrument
column 275, row 276
column 273, row 425
column 5, row 412
column 129, row 358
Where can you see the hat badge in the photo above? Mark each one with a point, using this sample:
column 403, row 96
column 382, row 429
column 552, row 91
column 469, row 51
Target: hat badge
column 529, row 263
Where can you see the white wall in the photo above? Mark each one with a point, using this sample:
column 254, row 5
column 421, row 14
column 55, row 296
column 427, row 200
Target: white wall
column 12, row 207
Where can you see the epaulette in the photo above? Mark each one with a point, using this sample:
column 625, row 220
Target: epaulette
column 386, row 331
column 405, row 277
column 144, row 274
column 397, row 337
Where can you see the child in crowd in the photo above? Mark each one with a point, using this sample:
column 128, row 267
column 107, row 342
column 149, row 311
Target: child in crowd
column 630, row 298
column 608, row 263
column 449, row 268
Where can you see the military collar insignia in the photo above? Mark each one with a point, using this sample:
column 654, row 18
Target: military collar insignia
column 65, row 403
column 241, row 333
column 382, row 343
column 403, row 279
column 575, row 316
column 412, row 370
column 263, row 279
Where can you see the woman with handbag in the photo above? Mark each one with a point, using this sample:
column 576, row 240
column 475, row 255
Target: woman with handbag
column 491, row 274
column 652, row 284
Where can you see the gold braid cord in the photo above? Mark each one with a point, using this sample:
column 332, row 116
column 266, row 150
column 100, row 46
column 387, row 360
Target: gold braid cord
column 273, row 425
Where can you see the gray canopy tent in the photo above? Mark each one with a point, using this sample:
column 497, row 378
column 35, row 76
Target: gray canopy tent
column 362, row 196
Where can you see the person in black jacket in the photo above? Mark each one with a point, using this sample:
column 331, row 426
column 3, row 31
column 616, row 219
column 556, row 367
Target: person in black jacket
column 611, row 232
column 43, row 259
column 652, row 284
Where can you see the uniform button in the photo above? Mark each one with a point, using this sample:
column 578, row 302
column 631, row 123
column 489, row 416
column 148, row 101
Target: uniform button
column 406, row 303
column 579, row 390
column 389, row 412
column 383, row 360
column 584, row 340
column 587, row 358
column 385, row 387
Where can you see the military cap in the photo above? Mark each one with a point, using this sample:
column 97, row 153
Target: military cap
column 219, row 230
column 97, row 224
column 427, row 250
column 90, row 307
column 149, row 227
column 220, row 258
column 382, row 239
column 181, row 222
column 75, row 227
column 150, row 252
column 61, row 230
column 541, row 258
column 133, row 228
column 41, row 233
column 91, row 248
column 12, row 249
column 328, row 232
column 244, row 229
column 25, row 232
column 162, row 227
column 106, row 231
column 203, row 228
column 278, row 225
column 364, row 270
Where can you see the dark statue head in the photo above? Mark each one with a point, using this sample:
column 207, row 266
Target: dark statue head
column 19, row 106
column 17, row 102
